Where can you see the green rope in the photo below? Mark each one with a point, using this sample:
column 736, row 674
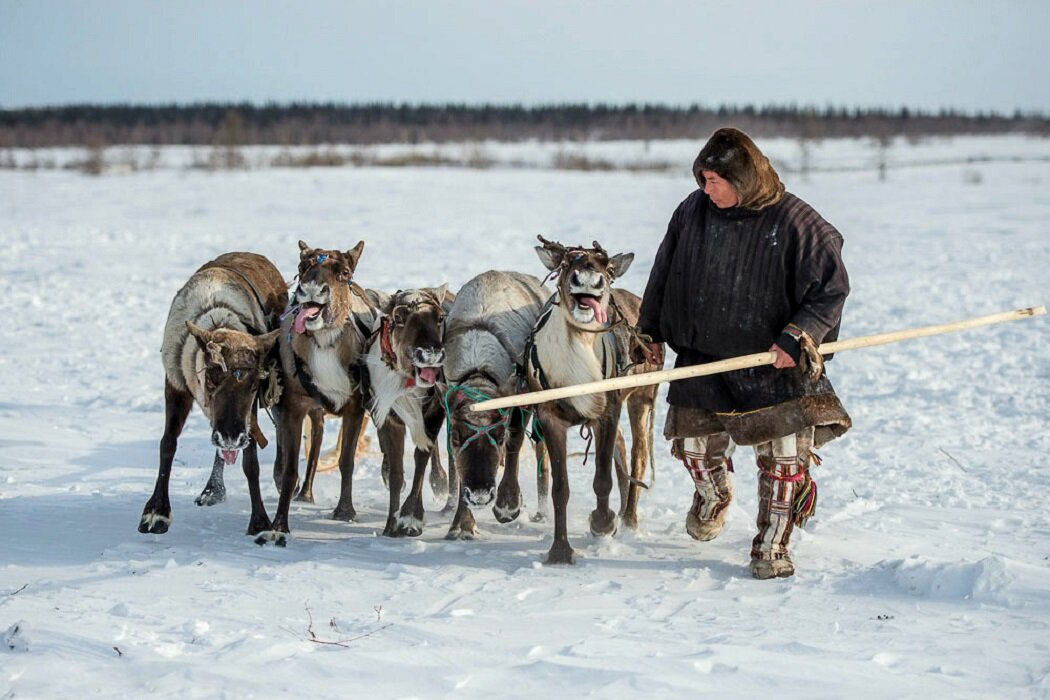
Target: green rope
column 474, row 394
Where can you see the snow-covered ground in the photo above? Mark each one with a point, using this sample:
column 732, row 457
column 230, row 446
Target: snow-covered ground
column 673, row 156
column 926, row 572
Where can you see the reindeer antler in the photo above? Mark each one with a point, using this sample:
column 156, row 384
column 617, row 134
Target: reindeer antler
column 552, row 245
column 599, row 250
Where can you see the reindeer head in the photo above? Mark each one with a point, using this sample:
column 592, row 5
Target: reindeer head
column 323, row 294
column 585, row 277
column 478, row 442
column 234, row 363
column 411, row 334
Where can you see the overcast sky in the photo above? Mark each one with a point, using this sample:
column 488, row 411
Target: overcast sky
column 972, row 55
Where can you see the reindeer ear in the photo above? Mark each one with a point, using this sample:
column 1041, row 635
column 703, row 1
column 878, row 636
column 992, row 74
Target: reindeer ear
column 550, row 259
column 438, row 292
column 618, row 264
column 355, row 253
column 304, row 250
column 202, row 336
column 265, row 342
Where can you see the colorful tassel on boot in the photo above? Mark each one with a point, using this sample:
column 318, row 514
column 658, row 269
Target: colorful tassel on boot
column 805, row 504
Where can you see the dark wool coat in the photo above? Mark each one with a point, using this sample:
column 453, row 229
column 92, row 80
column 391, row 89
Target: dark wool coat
column 730, row 282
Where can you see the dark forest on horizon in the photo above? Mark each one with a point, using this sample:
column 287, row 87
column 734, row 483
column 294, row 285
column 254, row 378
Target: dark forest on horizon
column 304, row 124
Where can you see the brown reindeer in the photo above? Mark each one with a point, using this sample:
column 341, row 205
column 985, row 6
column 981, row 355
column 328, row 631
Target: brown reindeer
column 321, row 342
column 585, row 334
column 217, row 351
column 400, row 373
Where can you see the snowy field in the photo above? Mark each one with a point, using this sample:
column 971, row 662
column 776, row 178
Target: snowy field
column 926, row 572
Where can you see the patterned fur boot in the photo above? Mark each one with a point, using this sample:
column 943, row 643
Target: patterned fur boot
column 786, row 496
column 708, row 463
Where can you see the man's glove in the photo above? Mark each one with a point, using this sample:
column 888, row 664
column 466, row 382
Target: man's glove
column 811, row 362
column 796, row 342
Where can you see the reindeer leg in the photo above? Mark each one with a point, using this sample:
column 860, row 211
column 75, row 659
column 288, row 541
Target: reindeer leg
column 639, row 409
column 623, row 473
column 603, row 518
column 278, row 475
column 316, row 435
column 289, row 436
column 353, row 417
column 259, row 521
column 215, row 490
column 554, row 433
column 392, row 442
column 438, row 475
column 543, row 470
column 508, row 495
column 412, row 517
column 463, row 526
column 156, row 516
column 455, row 498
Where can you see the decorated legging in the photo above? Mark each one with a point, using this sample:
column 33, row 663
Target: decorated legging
column 784, row 485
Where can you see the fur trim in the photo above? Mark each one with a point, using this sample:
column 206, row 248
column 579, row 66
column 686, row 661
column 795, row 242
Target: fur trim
column 824, row 412
column 733, row 155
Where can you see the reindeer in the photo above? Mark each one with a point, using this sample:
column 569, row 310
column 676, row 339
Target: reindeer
column 485, row 334
column 322, row 337
column 571, row 344
column 216, row 351
column 400, row 372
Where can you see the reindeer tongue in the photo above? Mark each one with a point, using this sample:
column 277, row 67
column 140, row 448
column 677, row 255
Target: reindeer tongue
column 304, row 315
column 229, row 456
column 428, row 374
column 599, row 313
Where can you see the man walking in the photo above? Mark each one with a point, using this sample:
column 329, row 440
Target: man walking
column 746, row 267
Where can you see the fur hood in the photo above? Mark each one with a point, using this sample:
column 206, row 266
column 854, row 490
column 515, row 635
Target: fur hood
column 734, row 156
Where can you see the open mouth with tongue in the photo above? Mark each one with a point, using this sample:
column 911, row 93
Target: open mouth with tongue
column 426, row 376
column 308, row 317
column 230, row 456
column 585, row 302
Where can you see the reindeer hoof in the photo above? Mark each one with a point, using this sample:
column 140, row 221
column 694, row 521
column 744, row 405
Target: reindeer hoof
column 561, row 553
column 391, row 529
column 210, row 497
column 344, row 513
column 603, row 522
column 305, row 496
column 277, row 539
column 630, row 521
column 410, row 526
column 461, row 533
column 258, row 525
column 539, row 517
column 506, row 514
column 154, row 523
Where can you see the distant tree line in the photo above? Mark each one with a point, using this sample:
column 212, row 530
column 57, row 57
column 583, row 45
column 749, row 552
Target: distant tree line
column 299, row 124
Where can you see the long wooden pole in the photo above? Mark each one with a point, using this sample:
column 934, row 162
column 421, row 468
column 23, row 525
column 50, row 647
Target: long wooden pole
column 744, row 361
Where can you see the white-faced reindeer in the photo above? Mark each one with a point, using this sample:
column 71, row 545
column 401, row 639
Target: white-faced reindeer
column 217, row 351
column 400, row 372
column 485, row 334
column 585, row 334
